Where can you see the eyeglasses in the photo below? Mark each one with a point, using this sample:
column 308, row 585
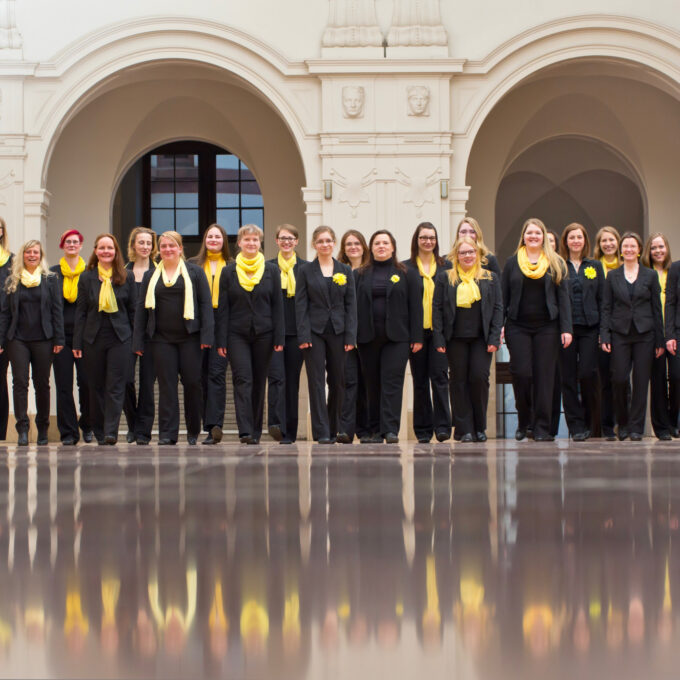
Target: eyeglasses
column 286, row 239
column 427, row 238
column 72, row 243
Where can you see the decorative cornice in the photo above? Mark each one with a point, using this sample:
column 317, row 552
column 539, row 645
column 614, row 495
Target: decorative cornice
column 352, row 23
column 441, row 66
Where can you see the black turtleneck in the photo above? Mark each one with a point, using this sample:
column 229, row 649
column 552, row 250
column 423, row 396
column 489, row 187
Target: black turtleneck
column 381, row 279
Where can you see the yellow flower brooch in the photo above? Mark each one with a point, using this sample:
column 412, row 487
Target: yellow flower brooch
column 394, row 278
column 340, row 279
column 590, row 272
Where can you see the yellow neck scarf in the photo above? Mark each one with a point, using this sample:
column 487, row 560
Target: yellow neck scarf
column 663, row 276
column 31, row 280
column 609, row 265
column 287, row 274
column 532, row 271
column 214, row 280
column 245, row 267
column 150, row 300
column 71, row 278
column 4, row 256
column 107, row 298
column 468, row 291
column 428, row 290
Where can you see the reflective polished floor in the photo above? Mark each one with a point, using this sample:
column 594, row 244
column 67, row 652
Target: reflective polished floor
column 474, row 561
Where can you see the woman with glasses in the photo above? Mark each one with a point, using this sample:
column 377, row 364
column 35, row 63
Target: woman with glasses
column 469, row 227
column 431, row 407
column 326, row 313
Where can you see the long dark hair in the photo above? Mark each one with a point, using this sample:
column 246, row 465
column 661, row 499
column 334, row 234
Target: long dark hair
column 414, row 243
column 119, row 274
column 395, row 261
column 365, row 256
column 203, row 252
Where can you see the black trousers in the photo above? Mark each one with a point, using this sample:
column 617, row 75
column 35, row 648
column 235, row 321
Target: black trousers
column 214, row 386
column 284, row 388
column 250, row 356
column 173, row 360
column 635, row 352
column 431, row 407
column 354, row 412
column 326, row 356
column 664, row 395
column 108, row 363
column 469, row 364
column 383, row 363
column 64, row 365
column 140, row 408
column 674, row 389
column 37, row 357
column 534, row 351
column 578, row 364
column 4, row 396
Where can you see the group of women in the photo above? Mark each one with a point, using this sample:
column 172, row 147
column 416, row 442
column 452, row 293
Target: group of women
column 355, row 322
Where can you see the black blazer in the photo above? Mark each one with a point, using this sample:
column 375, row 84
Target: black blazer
column 50, row 311
column 69, row 308
column 88, row 317
column 592, row 290
column 642, row 313
column 444, row 310
column 203, row 321
column 314, row 306
column 557, row 297
column 404, row 322
column 411, row 265
column 672, row 312
column 289, row 303
column 260, row 309
column 5, row 272
column 492, row 265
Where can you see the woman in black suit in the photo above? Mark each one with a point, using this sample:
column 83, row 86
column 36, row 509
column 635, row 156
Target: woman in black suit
column 672, row 329
column 102, row 336
column 213, row 258
column 632, row 330
column 468, row 319
column 285, row 367
column 68, row 273
column 140, row 409
column 469, row 227
column 326, row 312
column 665, row 387
column 537, row 321
column 175, row 321
column 32, row 325
column 579, row 361
column 5, row 269
column 250, row 326
column 431, row 398
column 390, row 322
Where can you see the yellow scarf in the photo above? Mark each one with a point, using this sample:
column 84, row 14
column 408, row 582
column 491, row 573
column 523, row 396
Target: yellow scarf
column 428, row 290
column 214, row 280
column 532, row 271
column 71, row 277
column 610, row 265
column 287, row 274
column 150, row 300
column 4, row 256
column 468, row 290
column 245, row 267
column 663, row 276
column 31, row 280
column 107, row 298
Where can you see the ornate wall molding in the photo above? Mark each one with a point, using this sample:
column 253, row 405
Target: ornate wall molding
column 352, row 23
column 10, row 38
column 417, row 23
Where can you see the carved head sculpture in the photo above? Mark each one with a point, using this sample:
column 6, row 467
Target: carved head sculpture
column 418, row 100
column 353, row 101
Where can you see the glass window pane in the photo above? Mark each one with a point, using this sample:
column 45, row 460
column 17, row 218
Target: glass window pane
column 245, row 172
column 162, row 220
column 187, row 222
column 162, row 195
column 162, row 166
column 253, row 216
column 250, row 195
column 187, row 194
column 226, row 161
column 229, row 220
column 227, row 194
column 186, row 166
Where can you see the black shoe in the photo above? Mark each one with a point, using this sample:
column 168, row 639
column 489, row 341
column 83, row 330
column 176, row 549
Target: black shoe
column 443, row 435
column 110, row 440
column 88, row 436
column 285, row 441
column 635, row 437
column 623, row 435
column 580, row 437
column 372, row 439
column 544, row 438
column 481, row 436
column 343, row 438
column 42, row 438
column 424, row 440
column 520, row 434
column 275, row 432
column 166, row 442
column 466, row 438
column 143, row 441
column 324, row 440
column 130, row 437
column 68, row 441
column 22, row 438
column 391, row 438
column 530, row 433
column 101, row 442
column 664, row 437
column 675, row 433
column 192, row 440
column 252, row 441
column 209, row 441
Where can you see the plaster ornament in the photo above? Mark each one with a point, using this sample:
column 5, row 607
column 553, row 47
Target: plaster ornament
column 418, row 193
column 353, row 101
column 10, row 38
column 418, row 97
column 354, row 193
column 416, row 22
column 352, row 23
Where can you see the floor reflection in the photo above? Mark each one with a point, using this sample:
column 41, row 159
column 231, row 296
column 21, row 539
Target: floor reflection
column 497, row 564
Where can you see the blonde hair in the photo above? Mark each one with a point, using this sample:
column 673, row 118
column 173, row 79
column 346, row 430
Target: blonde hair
column 250, row 229
column 173, row 236
column 558, row 267
column 4, row 239
column 483, row 248
column 132, row 253
column 18, row 265
column 480, row 272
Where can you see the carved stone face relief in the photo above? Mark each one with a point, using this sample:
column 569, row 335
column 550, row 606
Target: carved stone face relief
column 418, row 100
column 353, row 101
